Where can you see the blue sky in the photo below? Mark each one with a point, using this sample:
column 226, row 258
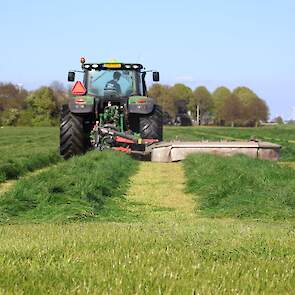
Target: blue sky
column 211, row 43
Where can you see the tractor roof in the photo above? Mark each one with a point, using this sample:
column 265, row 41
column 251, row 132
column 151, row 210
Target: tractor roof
column 112, row 66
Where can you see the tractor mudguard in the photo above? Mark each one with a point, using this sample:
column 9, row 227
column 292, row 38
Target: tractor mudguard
column 140, row 105
column 81, row 104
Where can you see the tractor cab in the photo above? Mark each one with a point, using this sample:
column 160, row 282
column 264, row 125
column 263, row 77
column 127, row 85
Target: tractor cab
column 113, row 80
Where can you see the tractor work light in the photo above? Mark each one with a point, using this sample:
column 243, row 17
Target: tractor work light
column 82, row 60
column 112, row 66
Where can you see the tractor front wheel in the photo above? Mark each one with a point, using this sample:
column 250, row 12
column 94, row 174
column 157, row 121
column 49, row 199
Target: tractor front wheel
column 74, row 140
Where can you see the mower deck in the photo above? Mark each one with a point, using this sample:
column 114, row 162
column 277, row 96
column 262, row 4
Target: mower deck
column 174, row 151
column 177, row 150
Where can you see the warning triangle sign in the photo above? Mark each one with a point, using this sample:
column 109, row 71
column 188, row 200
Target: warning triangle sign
column 78, row 88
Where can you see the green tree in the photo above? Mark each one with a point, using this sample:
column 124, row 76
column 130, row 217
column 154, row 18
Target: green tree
column 255, row 109
column 232, row 109
column 156, row 90
column 258, row 111
column 201, row 97
column 179, row 93
column 12, row 96
column 43, row 106
column 245, row 94
column 162, row 96
column 219, row 96
column 10, row 117
column 25, row 118
column 167, row 96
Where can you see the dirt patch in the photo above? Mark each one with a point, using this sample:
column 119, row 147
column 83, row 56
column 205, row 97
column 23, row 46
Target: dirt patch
column 6, row 186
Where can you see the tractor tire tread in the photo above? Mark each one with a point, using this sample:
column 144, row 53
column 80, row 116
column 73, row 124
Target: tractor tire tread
column 151, row 125
column 73, row 139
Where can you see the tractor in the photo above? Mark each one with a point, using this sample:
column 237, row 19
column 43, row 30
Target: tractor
column 109, row 108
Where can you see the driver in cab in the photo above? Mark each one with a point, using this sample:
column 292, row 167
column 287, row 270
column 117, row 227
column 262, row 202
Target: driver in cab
column 113, row 84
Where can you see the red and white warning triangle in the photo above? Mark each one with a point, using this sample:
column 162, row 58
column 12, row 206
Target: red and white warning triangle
column 78, row 88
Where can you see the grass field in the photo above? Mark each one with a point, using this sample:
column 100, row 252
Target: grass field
column 26, row 149
column 241, row 187
column 204, row 226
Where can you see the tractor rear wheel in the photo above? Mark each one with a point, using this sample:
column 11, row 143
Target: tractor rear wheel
column 151, row 125
column 74, row 139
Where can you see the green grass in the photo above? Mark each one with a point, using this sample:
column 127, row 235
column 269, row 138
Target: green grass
column 156, row 239
column 241, row 187
column 70, row 191
column 282, row 135
column 204, row 256
column 26, row 149
column 172, row 251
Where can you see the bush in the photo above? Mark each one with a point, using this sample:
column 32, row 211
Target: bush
column 25, row 118
column 10, row 117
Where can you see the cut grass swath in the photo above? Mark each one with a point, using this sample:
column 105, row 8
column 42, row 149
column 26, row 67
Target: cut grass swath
column 72, row 190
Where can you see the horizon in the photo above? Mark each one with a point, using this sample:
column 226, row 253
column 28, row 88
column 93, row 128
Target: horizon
column 208, row 44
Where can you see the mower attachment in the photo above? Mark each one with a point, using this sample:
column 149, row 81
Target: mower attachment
column 109, row 136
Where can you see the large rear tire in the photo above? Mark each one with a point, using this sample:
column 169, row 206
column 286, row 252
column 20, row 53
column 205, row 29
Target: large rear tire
column 74, row 140
column 151, row 125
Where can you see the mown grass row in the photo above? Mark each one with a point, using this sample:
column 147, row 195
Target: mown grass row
column 24, row 150
column 282, row 135
column 70, row 191
column 241, row 187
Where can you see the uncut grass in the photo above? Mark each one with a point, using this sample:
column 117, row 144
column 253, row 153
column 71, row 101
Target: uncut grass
column 241, row 187
column 282, row 135
column 73, row 190
column 25, row 149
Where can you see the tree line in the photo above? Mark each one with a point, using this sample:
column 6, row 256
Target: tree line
column 19, row 107
column 240, row 107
